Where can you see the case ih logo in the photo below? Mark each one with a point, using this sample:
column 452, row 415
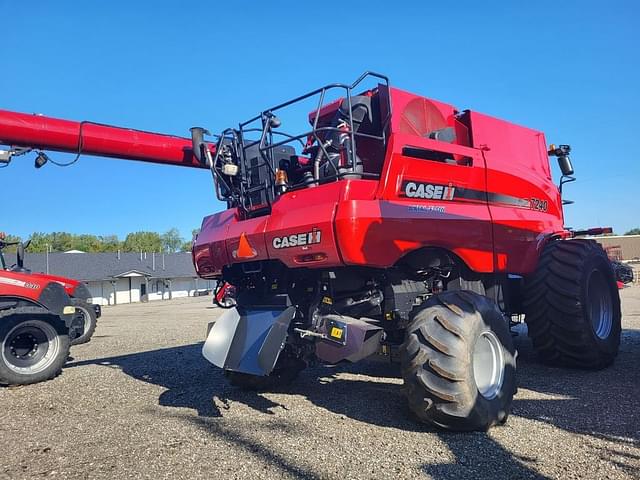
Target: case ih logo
column 428, row 190
column 298, row 239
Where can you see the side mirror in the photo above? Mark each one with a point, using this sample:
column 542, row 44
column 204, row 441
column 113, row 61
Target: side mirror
column 562, row 152
column 564, row 162
column 20, row 255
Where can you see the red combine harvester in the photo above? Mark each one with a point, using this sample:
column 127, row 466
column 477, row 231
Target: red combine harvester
column 36, row 317
column 87, row 313
column 392, row 224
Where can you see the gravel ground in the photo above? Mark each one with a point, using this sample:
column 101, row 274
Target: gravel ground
column 140, row 401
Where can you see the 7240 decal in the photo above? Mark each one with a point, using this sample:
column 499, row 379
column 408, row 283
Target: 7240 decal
column 539, row 205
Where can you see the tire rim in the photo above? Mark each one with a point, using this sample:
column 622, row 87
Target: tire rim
column 30, row 347
column 600, row 305
column 488, row 365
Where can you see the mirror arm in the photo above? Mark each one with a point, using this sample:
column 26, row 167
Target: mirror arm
column 565, row 179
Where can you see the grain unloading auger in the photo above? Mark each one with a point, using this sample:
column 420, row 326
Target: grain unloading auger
column 392, row 225
column 24, row 131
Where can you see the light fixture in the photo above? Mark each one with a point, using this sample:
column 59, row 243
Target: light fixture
column 41, row 160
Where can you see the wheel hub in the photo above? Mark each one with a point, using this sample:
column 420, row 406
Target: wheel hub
column 488, row 365
column 600, row 305
column 30, row 347
column 24, row 345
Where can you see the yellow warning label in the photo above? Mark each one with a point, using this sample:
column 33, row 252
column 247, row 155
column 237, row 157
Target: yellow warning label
column 327, row 300
column 336, row 332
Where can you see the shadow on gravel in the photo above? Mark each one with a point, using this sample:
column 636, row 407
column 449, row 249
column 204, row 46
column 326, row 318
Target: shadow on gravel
column 603, row 404
column 600, row 404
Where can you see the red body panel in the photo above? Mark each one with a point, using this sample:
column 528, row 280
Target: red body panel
column 518, row 167
column 21, row 285
column 68, row 283
column 496, row 168
column 293, row 213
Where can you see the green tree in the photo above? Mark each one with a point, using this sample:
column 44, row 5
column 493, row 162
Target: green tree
column 142, row 241
column 86, row 243
column 110, row 243
column 39, row 242
column 633, row 231
column 172, row 241
column 61, row 241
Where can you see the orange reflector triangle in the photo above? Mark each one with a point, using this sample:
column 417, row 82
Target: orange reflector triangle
column 245, row 250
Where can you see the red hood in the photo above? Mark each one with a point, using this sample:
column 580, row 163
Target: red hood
column 68, row 283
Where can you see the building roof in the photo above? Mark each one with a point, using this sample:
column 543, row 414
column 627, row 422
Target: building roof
column 107, row 266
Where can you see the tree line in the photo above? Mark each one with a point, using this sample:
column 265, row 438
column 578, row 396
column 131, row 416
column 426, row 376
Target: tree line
column 169, row 242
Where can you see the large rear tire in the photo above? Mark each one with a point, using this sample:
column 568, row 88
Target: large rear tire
column 572, row 306
column 33, row 347
column 458, row 362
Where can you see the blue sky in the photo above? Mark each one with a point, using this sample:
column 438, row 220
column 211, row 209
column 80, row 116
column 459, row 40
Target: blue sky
column 568, row 68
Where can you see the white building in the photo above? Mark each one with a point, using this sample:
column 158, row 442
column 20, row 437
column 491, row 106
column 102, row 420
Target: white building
column 116, row 278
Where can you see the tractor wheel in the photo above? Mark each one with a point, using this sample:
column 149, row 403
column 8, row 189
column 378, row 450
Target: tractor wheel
column 458, row 362
column 33, row 348
column 228, row 302
column 86, row 315
column 286, row 371
column 572, row 306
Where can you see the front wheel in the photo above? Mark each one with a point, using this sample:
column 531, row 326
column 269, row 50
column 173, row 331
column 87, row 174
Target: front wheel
column 33, row 348
column 458, row 362
column 87, row 319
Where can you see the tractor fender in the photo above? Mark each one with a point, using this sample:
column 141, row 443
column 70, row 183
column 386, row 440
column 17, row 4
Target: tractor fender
column 18, row 306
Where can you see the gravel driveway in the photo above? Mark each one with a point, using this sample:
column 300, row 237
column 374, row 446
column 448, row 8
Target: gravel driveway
column 139, row 401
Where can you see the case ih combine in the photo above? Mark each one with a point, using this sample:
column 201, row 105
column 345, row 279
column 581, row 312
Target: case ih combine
column 391, row 224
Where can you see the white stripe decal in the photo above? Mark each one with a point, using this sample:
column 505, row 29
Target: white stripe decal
column 11, row 281
column 19, row 283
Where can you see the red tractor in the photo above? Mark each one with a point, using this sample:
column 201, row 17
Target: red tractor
column 36, row 317
column 391, row 225
column 224, row 295
column 87, row 313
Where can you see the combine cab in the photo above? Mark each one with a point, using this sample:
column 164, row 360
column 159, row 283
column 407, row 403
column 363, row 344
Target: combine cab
column 391, row 225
